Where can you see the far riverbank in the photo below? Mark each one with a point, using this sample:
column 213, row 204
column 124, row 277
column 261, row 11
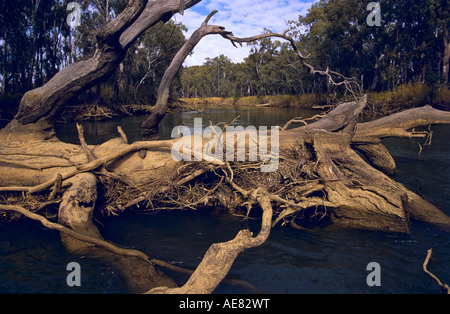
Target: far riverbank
column 381, row 103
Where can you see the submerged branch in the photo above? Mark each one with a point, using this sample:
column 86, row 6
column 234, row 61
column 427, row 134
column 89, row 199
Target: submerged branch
column 445, row 287
column 56, row 226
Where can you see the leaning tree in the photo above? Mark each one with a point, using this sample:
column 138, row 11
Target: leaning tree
column 321, row 177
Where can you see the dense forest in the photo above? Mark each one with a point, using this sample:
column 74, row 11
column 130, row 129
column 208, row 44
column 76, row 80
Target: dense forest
column 411, row 45
column 400, row 51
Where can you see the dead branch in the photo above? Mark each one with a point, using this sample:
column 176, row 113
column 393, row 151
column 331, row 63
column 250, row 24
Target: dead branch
column 34, row 166
column 150, row 125
column 89, row 155
column 398, row 124
column 220, row 256
column 55, row 226
column 122, row 134
column 445, row 287
column 56, row 187
column 428, row 137
column 300, row 120
column 351, row 84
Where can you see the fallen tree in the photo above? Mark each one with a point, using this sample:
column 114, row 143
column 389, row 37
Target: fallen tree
column 320, row 179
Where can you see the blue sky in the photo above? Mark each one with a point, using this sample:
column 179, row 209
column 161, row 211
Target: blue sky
column 244, row 18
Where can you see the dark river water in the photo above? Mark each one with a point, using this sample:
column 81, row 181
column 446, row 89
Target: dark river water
column 33, row 260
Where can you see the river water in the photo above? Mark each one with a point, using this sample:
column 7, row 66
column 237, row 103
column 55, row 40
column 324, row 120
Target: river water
column 33, row 260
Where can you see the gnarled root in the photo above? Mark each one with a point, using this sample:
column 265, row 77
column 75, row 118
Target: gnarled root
column 220, row 256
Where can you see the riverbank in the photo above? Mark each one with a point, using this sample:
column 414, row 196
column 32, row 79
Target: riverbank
column 380, row 103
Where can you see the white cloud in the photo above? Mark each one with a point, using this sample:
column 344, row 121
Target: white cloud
column 244, row 18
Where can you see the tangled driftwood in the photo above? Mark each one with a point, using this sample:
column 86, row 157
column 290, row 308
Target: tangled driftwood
column 321, row 180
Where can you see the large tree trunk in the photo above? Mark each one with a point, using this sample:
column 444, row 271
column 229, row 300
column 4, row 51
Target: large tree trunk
column 150, row 127
column 329, row 184
column 40, row 106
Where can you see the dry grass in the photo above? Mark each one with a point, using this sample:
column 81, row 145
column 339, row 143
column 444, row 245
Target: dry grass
column 382, row 103
column 289, row 101
column 409, row 96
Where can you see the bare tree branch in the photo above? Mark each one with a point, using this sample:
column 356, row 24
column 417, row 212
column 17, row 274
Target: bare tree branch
column 150, row 125
column 445, row 287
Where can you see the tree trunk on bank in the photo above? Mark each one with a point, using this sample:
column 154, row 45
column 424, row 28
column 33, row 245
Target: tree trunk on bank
column 41, row 106
column 150, row 127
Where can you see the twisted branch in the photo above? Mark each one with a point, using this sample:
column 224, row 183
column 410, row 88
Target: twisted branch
column 445, row 287
column 347, row 82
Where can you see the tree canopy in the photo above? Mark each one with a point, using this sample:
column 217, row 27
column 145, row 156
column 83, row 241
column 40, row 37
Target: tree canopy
column 410, row 45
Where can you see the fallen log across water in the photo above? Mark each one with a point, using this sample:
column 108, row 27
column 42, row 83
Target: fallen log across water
column 320, row 180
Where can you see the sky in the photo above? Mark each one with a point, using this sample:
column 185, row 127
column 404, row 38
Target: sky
column 244, row 18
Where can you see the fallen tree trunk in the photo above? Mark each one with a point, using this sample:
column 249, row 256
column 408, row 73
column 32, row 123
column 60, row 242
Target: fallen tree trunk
column 320, row 181
column 33, row 167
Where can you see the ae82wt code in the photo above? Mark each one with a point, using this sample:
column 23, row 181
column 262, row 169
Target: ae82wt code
column 245, row 304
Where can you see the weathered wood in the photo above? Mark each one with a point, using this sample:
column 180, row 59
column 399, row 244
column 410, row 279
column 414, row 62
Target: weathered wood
column 219, row 258
column 352, row 193
column 399, row 124
column 378, row 156
column 40, row 106
column 363, row 197
column 150, row 127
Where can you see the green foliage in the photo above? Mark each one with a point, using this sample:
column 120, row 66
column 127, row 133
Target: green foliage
column 407, row 49
column 31, row 43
